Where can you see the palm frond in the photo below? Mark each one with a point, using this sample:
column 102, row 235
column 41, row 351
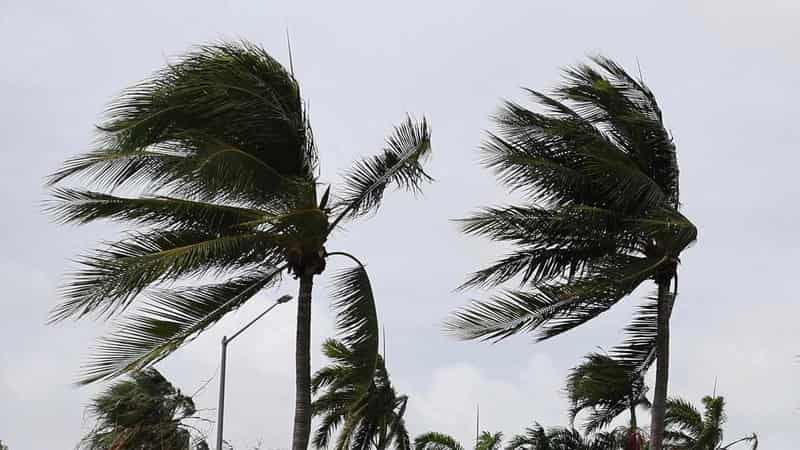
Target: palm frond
column 554, row 307
column 357, row 320
column 80, row 206
column 226, row 114
column 110, row 278
column 399, row 164
column 638, row 350
column 683, row 416
column 171, row 318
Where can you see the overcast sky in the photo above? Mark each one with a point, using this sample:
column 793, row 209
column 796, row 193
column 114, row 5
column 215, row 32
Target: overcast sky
column 725, row 73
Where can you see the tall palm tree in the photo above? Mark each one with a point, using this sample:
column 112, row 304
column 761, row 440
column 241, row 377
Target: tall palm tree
column 688, row 429
column 537, row 437
column 145, row 412
column 600, row 176
column 607, row 388
column 212, row 164
column 439, row 441
column 374, row 419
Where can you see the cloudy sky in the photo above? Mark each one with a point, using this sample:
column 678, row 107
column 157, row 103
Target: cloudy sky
column 725, row 73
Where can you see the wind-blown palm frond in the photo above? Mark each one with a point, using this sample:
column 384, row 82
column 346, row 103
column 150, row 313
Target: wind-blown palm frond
column 553, row 307
column 400, row 164
column 436, row 441
column 357, row 319
column 171, row 318
column 80, row 207
column 367, row 416
column 225, row 115
column 144, row 412
column 110, row 278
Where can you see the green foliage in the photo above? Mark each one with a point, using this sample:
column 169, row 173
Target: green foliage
column 436, row 441
column 145, row 412
column 537, row 437
column 607, row 388
column 212, row 165
column 371, row 417
column 600, row 178
column 688, row 428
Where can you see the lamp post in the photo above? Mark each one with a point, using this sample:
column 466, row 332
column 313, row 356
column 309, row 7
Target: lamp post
column 225, row 342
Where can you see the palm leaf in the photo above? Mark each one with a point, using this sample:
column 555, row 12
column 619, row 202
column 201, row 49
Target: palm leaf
column 399, row 164
column 223, row 115
column 357, row 320
column 170, row 319
column 110, row 278
column 79, row 206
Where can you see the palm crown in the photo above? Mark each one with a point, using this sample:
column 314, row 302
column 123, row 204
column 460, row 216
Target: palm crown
column 689, row 429
column 212, row 161
column 607, row 388
column 600, row 177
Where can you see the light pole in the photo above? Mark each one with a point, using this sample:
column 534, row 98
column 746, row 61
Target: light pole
column 225, row 342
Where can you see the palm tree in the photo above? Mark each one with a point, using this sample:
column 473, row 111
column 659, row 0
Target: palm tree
column 212, row 164
column 439, row 441
column 600, row 176
column 145, row 412
column 371, row 419
column 607, row 388
column 559, row 438
column 688, row 429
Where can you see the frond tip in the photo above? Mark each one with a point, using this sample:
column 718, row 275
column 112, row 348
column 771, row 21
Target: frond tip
column 400, row 164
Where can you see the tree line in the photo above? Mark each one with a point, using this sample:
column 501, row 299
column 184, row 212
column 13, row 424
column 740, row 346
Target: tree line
column 212, row 165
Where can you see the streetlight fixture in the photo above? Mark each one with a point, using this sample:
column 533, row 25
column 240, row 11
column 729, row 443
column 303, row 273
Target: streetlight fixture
column 225, row 342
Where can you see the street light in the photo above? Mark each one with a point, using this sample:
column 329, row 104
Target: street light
column 225, row 342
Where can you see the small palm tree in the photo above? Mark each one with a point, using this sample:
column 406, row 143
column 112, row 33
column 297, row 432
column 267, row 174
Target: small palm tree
column 212, row 164
column 145, row 412
column 688, row 429
column 537, row 437
column 439, row 441
column 606, row 387
column 601, row 217
column 374, row 419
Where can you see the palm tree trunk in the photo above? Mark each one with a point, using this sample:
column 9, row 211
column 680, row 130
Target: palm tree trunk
column 302, row 409
column 634, row 425
column 665, row 302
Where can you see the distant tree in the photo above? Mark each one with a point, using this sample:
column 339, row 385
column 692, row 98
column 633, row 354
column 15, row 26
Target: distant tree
column 607, row 388
column 3, row 446
column 374, row 419
column 537, row 437
column 440, row 441
column 689, row 429
column 601, row 217
column 145, row 412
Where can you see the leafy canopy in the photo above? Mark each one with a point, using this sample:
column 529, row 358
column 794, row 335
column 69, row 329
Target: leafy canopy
column 599, row 176
column 212, row 166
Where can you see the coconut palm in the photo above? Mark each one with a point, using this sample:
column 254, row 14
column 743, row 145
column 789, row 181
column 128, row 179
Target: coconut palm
column 439, row 441
column 607, row 388
column 145, row 412
column 688, row 429
column 600, row 176
column 374, row 419
column 537, row 437
column 212, row 164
